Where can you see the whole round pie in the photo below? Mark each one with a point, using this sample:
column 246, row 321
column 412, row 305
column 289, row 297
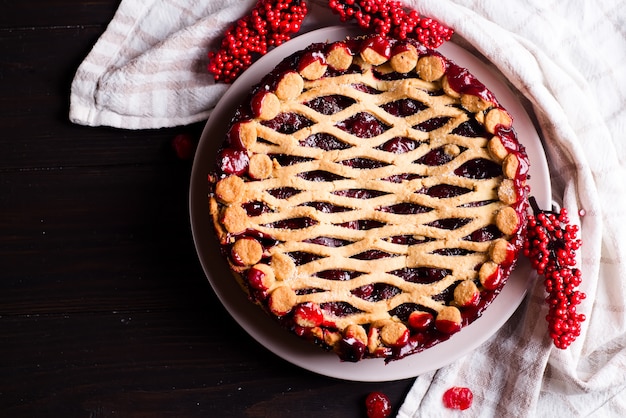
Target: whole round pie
column 370, row 195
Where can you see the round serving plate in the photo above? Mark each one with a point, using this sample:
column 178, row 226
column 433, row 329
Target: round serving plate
column 302, row 353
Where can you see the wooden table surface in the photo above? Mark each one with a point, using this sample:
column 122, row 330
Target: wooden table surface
column 104, row 307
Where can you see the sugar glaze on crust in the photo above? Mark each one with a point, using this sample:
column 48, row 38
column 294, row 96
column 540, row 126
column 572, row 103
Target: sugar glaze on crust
column 371, row 196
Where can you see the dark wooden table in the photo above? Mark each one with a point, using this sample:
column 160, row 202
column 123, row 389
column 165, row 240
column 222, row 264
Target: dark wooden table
column 104, row 307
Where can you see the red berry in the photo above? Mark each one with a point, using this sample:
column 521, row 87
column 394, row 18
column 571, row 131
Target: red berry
column 458, row 398
column 309, row 315
column 419, row 320
column 377, row 405
column 184, row 146
column 233, row 161
column 256, row 278
column 447, row 327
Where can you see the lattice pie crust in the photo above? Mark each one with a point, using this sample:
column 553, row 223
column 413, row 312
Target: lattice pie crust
column 370, row 196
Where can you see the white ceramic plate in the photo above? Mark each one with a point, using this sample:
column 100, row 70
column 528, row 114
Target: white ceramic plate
column 293, row 349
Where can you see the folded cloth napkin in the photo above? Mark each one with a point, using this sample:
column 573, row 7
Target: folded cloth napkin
column 149, row 68
column 568, row 59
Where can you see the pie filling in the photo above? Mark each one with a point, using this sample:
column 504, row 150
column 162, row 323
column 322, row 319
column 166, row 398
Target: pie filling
column 371, row 196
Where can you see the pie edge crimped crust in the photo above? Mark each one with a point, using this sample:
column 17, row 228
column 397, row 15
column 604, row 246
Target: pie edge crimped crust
column 276, row 276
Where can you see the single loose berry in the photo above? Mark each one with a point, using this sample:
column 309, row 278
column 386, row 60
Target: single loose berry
column 377, row 405
column 458, row 398
column 184, row 146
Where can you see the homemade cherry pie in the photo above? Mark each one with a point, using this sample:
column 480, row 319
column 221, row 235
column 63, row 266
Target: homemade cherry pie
column 370, row 195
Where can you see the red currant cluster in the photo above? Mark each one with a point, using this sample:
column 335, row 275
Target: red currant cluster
column 269, row 24
column 389, row 17
column 272, row 22
column 551, row 244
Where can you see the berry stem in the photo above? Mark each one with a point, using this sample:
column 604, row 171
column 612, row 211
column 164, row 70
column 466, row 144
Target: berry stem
column 550, row 245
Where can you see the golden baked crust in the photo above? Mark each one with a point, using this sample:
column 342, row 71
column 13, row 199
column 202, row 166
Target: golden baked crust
column 381, row 193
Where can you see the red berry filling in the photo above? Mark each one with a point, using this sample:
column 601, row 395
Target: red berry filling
column 432, row 124
column 447, row 327
column 479, row 168
column 351, row 349
column 462, row 81
column 233, row 161
column 404, row 107
column 378, row 44
column 288, row 123
column 255, row 279
column 420, row 320
column 329, row 105
column 399, row 145
column 309, row 315
column 324, row 141
column 363, row 125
